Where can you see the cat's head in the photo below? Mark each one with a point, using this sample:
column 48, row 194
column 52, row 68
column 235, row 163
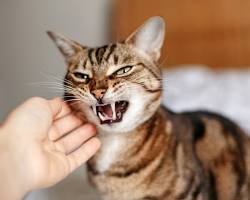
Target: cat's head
column 117, row 86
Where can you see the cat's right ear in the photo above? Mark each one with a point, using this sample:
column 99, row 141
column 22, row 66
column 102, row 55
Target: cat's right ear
column 66, row 46
column 149, row 37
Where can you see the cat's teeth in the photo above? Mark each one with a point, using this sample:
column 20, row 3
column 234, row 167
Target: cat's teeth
column 101, row 116
column 119, row 114
column 94, row 109
column 113, row 111
column 106, row 116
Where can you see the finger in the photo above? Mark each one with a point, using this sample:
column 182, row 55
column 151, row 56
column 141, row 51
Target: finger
column 75, row 139
column 59, row 108
column 63, row 126
column 82, row 154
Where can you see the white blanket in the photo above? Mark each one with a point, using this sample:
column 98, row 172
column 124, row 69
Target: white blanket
column 184, row 89
column 199, row 88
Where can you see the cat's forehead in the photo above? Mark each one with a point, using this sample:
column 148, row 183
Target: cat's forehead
column 100, row 59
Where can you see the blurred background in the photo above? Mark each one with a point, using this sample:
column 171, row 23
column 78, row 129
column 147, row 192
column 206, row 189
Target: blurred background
column 28, row 56
column 215, row 33
column 205, row 59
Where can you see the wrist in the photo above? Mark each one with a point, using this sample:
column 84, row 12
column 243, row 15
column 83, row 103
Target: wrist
column 12, row 186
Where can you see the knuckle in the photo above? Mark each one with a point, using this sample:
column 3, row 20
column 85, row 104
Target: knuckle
column 37, row 100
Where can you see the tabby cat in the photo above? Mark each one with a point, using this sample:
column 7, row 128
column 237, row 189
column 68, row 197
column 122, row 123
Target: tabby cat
column 149, row 152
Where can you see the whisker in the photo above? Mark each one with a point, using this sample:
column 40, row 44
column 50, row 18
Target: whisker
column 60, row 79
column 74, row 103
column 52, row 85
column 71, row 100
column 77, row 93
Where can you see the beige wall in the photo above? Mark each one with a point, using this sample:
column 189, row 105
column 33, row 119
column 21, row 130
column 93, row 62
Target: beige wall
column 26, row 53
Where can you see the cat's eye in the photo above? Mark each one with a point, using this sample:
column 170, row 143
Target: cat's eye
column 81, row 77
column 123, row 70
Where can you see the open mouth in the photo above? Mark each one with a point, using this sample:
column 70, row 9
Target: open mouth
column 110, row 113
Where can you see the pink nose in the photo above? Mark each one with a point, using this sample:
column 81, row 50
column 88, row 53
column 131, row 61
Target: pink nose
column 99, row 93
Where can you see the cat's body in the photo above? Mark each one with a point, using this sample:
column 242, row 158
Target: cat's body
column 196, row 155
column 147, row 151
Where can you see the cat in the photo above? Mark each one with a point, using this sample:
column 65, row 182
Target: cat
column 149, row 152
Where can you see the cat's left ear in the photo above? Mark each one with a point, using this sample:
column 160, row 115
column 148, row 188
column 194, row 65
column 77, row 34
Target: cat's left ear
column 66, row 46
column 149, row 37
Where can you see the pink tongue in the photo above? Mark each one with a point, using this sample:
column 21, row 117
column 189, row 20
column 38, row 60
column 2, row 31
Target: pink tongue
column 107, row 110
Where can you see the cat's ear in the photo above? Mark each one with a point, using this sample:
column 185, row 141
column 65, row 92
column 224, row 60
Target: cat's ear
column 149, row 37
column 66, row 46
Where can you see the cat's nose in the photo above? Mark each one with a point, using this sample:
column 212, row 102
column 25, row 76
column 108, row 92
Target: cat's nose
column 98, row 93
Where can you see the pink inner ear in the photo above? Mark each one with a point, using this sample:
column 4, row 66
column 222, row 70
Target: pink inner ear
column 149, row 37
column 67, row 46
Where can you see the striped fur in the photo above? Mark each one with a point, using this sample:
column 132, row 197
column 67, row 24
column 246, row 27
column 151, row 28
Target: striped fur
column 153, row 153
column 196, row 155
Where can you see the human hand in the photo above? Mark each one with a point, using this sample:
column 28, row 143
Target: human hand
column 41, row 142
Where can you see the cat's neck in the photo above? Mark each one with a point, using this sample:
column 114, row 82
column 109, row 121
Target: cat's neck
column 145, row 141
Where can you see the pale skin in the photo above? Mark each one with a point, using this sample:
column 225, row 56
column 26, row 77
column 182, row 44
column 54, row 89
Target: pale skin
column 41, row 142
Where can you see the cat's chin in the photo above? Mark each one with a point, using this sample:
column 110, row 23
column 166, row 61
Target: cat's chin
column 113, row 129
column 126, row 126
